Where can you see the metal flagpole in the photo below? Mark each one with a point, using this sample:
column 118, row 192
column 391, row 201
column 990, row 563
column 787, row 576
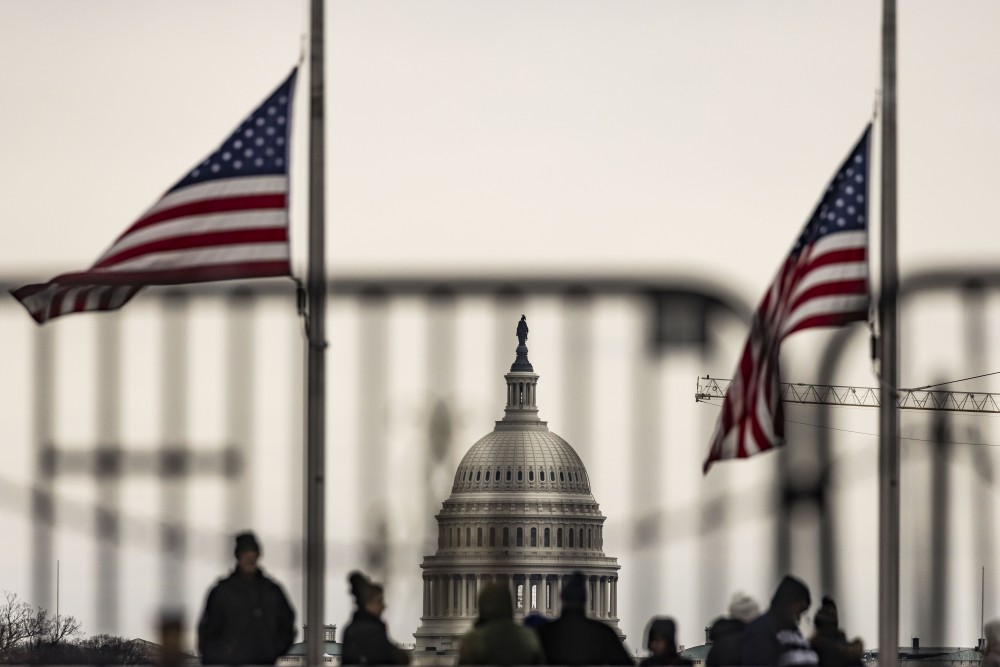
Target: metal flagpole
column 888, row 562
column 316, row 340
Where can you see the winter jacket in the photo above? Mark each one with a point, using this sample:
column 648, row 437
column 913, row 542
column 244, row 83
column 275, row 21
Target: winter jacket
column 247, row 621
column 771, row 641
column 574, row 639
column 727, row 638
column 833, row 649
column 496, row 639
column 366, row 642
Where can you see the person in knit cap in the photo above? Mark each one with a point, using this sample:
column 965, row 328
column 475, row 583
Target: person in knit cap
column 247, row 618
column 574, row 639
column 774, row 637
column 726, row 633
column 496, row 639
column 366, row 637
column 661, row 640
column 830, row 643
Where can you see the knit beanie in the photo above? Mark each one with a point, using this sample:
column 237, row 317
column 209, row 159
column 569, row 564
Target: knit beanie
column 246, row 542
column 363, row 589
column 743, row 608
column 826, row 617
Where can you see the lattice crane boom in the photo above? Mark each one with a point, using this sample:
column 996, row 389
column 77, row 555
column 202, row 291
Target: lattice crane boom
column 710, row 389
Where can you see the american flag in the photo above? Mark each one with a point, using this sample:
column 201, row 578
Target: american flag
column 823, row 282
column 226, row 219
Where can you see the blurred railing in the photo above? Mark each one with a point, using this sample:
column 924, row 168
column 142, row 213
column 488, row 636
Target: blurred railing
column 155, row 433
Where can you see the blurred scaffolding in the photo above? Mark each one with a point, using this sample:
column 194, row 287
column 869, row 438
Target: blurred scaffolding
column 151, row 435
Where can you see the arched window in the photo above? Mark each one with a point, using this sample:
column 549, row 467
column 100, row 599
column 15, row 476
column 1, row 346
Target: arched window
column 508, row 475
column 520, row 475
column 534, row 537
column 506, row 536
column 541, row 475
column 478, row 473
column 558, row 537
column 493, row 537
column 545, row 538
column 468, row 537
column 571, row 537
column 497, row 475
column 590, row 538
column 562, row 476
column 552, row 475
column 531, row 475
column 479, row 537
column 487, row 475
column 520, row 537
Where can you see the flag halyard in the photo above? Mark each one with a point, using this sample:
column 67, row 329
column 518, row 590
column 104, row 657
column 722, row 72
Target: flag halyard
column 823, row 282
column 225, row 219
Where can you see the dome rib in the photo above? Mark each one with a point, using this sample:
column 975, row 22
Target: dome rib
column 544, row 460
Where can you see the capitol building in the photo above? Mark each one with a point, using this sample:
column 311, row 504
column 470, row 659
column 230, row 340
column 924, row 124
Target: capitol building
column 521, row 513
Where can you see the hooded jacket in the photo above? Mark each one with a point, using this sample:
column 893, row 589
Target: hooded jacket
column 496, row 639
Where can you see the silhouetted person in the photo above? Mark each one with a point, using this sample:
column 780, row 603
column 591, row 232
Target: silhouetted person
column 726, row 633
column 991, row 652
column 247, row 618
column 574, row 639
column 496, row 639
column 366, row 639
column 661, row 640
column 830, row 643
column 774, row 638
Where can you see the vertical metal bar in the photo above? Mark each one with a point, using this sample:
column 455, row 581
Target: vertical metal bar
column 578, row 368
column 889, row 361
column 109, row 472
column 173, row 509
column 938, row 535
column 647, row 460
column 441, row 364
column 316, row 335
column 982, row 525
column 43, row 512
column 239, row 411
column 372, row 460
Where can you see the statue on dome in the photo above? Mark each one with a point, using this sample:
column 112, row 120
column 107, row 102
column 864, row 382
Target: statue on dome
column 522, row 331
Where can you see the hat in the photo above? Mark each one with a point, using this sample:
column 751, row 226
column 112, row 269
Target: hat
column 826, row 616
column 246, row 542
column 363, row 589
column 743, row 608
column 574, row 591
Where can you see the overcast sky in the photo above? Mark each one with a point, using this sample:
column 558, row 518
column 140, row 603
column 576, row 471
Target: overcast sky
column 665, row 137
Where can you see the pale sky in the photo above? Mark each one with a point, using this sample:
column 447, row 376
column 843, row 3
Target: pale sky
column 668, row 137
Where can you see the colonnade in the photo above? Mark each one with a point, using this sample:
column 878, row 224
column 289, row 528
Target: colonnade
column 448, row 596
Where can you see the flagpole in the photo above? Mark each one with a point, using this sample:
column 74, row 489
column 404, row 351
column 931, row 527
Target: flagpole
column 316, row 341
column 888, row 563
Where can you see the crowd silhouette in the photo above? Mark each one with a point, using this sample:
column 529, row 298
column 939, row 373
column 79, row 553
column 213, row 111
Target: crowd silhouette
column 248, row 620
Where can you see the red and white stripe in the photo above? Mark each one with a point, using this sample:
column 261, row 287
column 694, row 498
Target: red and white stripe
column 217, row 230
column 824, row 285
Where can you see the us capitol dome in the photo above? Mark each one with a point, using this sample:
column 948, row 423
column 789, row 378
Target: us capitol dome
column 520, row 513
